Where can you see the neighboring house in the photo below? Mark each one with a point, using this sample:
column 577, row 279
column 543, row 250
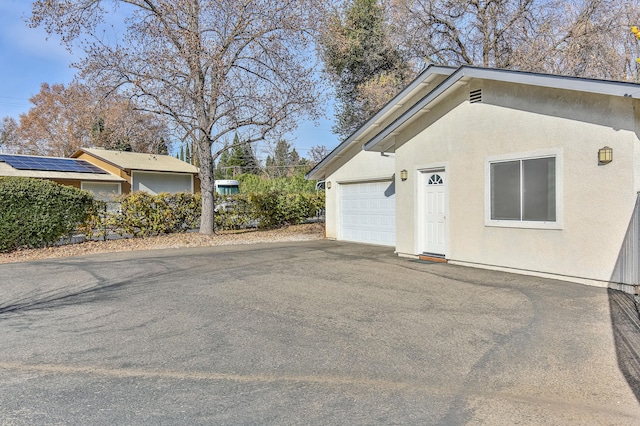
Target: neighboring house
column 152, row 173
column 497, row 169
column 107, row 173
column 65, row 171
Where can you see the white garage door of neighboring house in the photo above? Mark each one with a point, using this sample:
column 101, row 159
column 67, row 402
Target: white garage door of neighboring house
column 368, row 212
column 155, row 183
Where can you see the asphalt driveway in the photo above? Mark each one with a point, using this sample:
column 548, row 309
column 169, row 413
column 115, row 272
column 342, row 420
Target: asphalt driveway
column 307, row 333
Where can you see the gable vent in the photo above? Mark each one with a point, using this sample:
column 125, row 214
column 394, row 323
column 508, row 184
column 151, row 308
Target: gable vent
column 475, row 96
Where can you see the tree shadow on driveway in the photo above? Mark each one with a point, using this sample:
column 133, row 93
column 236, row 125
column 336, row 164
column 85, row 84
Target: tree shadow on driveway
column 625, row 323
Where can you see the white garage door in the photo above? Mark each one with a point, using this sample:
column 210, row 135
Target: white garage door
column 155, row 183
column 368, row 212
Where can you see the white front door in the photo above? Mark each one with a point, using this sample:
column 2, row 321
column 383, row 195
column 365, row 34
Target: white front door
column 434, row 213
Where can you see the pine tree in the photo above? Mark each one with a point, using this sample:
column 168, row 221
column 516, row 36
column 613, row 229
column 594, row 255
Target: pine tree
column 294, row 157
column 251, row 163
column 221, row 168
column 182, row 153
column 236, row 156
column 284, row 160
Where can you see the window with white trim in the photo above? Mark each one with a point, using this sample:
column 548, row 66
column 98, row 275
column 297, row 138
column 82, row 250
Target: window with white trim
column 523, row 190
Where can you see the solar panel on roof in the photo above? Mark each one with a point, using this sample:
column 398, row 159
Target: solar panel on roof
column 24, row 162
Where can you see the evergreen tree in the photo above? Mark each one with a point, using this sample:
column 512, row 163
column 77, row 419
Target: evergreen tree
column 242, row 158
column 182, row 153
column 221, row 171
column 187, row 154
column 236, row 156
column 251, row 163
column 294, row 157
column 366, row 69
column 284, row 160
column 161, row 147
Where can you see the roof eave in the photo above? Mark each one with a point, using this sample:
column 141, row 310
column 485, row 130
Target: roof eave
column 317, row 173
column 602, row 87
column 111, row 163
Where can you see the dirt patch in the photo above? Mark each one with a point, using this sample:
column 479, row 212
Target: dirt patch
column 312, row 231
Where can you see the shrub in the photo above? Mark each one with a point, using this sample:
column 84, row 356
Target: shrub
column 144, row 214
column 141, row 214
column 35, row 213
column 98, row 220
column 233, row 212
column 292, row 185
column 276, row 208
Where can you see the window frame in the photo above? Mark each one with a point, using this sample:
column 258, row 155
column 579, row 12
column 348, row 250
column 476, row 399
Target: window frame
column 529, row 224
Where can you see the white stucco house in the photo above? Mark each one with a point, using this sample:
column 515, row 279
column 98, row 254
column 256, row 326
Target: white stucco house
column 497, row 169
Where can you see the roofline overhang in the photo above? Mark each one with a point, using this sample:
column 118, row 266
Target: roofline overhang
column 465, row 73
column 129, row 170
column 81, row 151
column 317, row 172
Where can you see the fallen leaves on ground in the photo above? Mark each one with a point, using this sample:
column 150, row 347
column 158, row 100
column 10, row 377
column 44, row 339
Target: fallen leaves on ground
column 312, row 231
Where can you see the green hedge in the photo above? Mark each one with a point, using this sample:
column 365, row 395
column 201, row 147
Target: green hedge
column 142, row 214
column 35, row 213
column 296, row 184
column 233, row 212
column 277, row 208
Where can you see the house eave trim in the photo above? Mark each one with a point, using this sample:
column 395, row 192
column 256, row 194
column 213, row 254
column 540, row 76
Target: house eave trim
column 465, row 73
column 318, row 171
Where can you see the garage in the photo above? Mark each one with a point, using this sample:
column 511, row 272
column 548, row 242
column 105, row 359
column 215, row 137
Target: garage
column 155, row 183
column 368, row 212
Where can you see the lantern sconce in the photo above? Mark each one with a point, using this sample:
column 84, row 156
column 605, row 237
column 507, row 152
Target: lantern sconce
column 404, row 175
column 329, row 185
column 605, row 155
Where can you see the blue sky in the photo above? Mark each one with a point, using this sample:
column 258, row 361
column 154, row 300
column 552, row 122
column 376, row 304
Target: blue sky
column 28, row 59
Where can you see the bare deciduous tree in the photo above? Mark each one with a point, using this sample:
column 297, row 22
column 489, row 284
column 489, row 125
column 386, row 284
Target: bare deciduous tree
column 458, row 32
column 213, row 66
column 8, row 128
column 586, row 38
column 66, row 118
column 317, row 153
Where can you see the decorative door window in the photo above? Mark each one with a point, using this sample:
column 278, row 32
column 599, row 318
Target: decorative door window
column 435, row 179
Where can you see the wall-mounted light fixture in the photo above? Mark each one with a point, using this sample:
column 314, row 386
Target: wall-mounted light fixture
column 328, row 185
column 404, row 175
column 605, row 155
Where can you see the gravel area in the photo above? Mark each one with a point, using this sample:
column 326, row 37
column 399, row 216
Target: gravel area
column 312, row 231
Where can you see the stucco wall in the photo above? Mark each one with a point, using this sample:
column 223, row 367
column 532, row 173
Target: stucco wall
column 362, row 166
column 596, row 202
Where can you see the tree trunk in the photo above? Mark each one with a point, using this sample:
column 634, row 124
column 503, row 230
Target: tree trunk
column 207, row 186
